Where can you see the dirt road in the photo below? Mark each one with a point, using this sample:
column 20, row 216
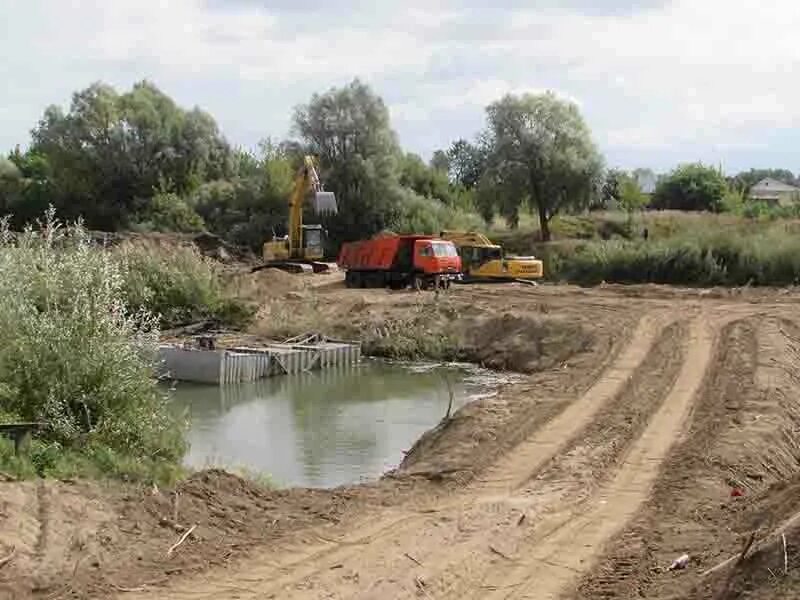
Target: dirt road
column 644, row 409
column 542, row 517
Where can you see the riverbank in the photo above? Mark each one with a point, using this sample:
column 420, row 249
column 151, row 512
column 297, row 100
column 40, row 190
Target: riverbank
column 571, row 423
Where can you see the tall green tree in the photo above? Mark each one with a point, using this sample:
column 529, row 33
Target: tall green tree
column 250, row 207
column 110, row 153
column 424, row 180
column 631, row 198
column 25, row 189
column 467, row 162
column 349, row 130
column 440, row 162
column 541, row 153
column 610, row 188
column 694, row 187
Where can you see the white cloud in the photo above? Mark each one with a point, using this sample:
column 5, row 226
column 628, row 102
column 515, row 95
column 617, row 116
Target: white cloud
column 690, row 78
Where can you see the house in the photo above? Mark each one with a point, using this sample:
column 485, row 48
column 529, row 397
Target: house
column 772, row 191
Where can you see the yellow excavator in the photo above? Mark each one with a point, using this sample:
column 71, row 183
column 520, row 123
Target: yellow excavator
column 303, row 248
column 482, row 260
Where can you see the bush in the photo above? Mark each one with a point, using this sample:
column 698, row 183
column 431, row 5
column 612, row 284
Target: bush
column 418, row 214
column 74, row 357
column 177, row 283
column 169, row 212
column 693, row 187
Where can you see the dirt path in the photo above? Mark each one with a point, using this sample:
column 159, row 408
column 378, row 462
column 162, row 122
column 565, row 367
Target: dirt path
column 520, row 530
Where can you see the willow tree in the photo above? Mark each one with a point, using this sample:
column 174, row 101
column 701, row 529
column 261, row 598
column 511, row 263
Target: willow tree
column 540, row 152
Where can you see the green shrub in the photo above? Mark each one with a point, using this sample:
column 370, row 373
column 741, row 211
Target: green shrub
column 177, row 283
column 418, row 214
column 74, row 357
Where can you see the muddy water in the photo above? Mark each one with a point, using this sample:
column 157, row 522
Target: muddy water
column 326, row 428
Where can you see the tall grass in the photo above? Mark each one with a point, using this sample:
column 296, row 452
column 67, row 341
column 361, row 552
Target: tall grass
column 769, row 257
column 74, row 357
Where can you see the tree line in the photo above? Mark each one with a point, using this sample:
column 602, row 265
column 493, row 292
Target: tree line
column 138, row 161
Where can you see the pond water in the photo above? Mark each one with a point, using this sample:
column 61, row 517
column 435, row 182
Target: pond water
column 325, row 428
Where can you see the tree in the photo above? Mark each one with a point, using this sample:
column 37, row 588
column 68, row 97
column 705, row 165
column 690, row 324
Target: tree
column 609, row 189
column 694, row 187
column 631, row 198
column 466, row 162
column 25, row 190
column 540, row 152
column 252, row 206
column 348, row 129
column 440, row 162
column 424, row 180
column 110, row 153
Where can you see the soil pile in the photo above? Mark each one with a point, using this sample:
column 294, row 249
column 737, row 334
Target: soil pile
column 265, row 284
column 523, row 344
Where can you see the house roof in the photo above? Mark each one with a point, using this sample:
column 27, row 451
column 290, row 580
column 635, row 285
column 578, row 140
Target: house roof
column 769, row 187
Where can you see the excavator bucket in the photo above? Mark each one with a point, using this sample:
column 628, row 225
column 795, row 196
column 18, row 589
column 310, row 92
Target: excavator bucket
column 324, row 203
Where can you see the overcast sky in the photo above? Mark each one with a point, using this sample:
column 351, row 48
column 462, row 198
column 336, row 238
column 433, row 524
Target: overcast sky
column 660, row 82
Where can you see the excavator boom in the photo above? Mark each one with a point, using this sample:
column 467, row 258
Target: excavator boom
column 304, row 242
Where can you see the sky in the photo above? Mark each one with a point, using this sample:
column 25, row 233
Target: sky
column 659, row 82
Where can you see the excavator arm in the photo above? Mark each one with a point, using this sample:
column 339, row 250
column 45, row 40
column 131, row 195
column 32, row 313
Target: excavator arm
column 322, row 202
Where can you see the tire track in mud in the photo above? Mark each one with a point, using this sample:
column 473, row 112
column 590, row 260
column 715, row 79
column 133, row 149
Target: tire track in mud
column 338, row 568
column 566, row 482
column 549, row 564
column 517, row 467
column 746, row 406
column 628, row 569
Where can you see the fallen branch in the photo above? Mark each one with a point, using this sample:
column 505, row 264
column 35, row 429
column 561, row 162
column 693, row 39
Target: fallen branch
column 119, row 588
column 4, row 561
column 496, row 551
column 420, row 583
column 738, row 557
column 785, row 556
column 141, row 588
column 412, row 559
column 180, row 541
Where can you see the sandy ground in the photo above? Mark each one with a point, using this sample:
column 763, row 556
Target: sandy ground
column 651, row 422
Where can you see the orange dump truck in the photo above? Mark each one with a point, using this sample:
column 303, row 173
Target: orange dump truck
column 398, row 261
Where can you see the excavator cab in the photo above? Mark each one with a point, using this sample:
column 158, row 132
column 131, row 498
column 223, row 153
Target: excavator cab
column 313, row 242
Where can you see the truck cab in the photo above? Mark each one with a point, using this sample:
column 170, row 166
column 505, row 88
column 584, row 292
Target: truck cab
column 436, row 257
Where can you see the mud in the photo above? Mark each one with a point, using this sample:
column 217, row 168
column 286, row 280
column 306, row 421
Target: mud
column 652, row 422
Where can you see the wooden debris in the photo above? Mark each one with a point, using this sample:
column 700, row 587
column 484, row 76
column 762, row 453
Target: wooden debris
column 412, row 559
column 180, row 541
column 502, row 555
column 7, row 559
